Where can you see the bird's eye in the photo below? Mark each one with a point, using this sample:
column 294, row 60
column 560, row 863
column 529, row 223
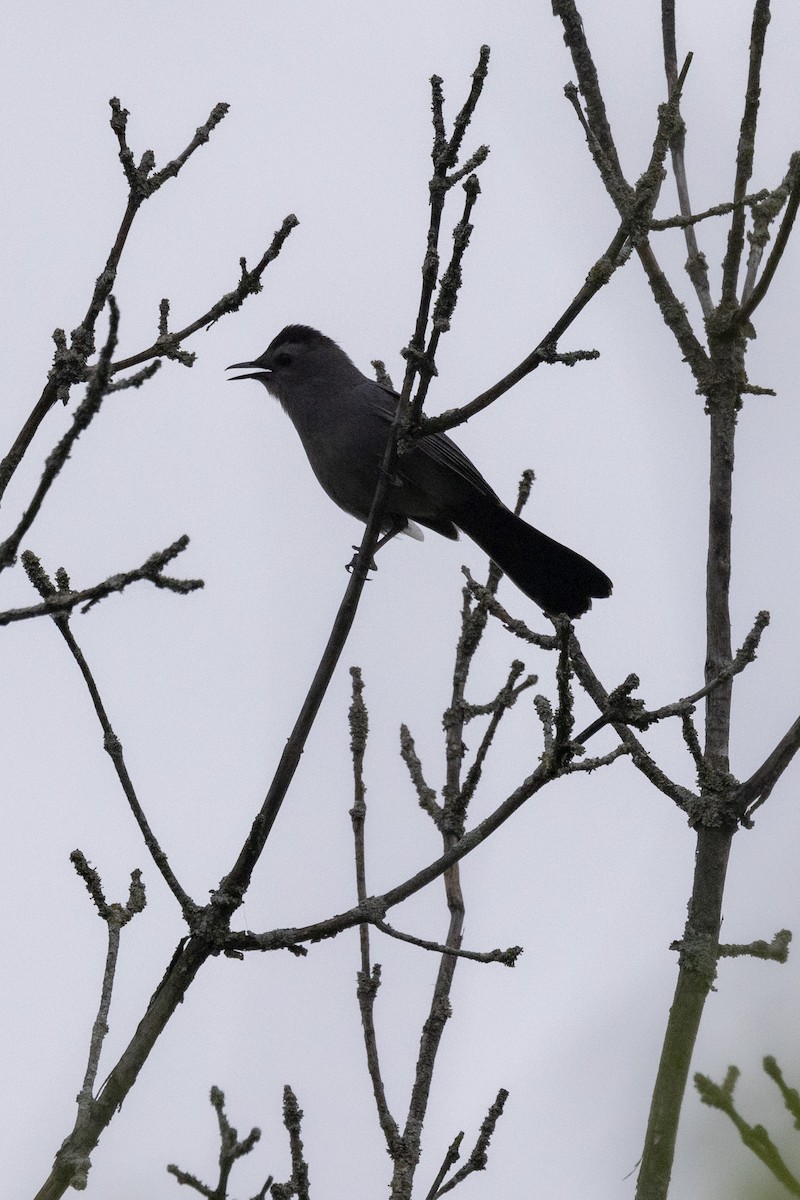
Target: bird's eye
column 283, row 359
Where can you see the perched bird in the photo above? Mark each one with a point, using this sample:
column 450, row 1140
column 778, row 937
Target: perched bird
column 344, row 419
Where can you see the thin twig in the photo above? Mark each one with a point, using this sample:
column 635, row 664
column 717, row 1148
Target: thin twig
column 761, row 288
column 249, row 284
column 744, row 656
column 230, row 1151
column 507, row 957
column 744, row 154
column 115, row 916
column 572, row 24
column 233, row 886
column 445, row 153
column 292, row 1118
column 65, row 602
column 69, row 365
column 425, row 794
column 659, row 224
column 450, row 1158
column 480, row 1152
column 113, row 746
column 84, row 414
column 647, row 189
column 544, row 641
column 504, row 701
column 696, row 266
column 775, row 951
column 755, row 1137
column 753, row 792
column 587, row 765
column 369, row 976
column 791, row 1097
column 451, row 825
column 639, row 756
column 597, row 277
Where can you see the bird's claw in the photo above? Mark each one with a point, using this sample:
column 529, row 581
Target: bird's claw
column 373, row 566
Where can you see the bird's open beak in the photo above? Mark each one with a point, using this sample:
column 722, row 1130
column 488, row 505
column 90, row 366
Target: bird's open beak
column 261, row 373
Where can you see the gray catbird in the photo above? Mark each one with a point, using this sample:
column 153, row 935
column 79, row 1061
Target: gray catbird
column 343, row 419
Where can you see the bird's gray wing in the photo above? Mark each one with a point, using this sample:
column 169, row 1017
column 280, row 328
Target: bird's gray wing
column 437, row 447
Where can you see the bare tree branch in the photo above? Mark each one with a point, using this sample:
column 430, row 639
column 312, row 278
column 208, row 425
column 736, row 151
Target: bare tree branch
column 450, row 1158
column 369, row 976
column 249, row 284
column 210, row 926
column 751, row 794
column 696, row 266
column 230, row 1151
column 115, row 916
column 64, row 602
column 507, row 957
column 84, row 414
column 479, row 1156
column 426, row 795
column 775, row 951
column 597, row 277
column 647, row 189
column 760, row 289
column 744, row 155
column 232, row 887
column 658, row 225
column 755, row 1137
column 70, row 361
column 445, row 154
column 113, row 746
column 292, row 1118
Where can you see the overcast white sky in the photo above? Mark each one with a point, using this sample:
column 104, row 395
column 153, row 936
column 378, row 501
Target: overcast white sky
column 330, row 119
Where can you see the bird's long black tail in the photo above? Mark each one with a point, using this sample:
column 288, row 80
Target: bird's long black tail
column 552, row 575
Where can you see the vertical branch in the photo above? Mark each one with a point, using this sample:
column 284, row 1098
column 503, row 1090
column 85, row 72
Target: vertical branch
column 292, row 1118
column 116, row 916
column 100, row 1027
column 445, row 156
column 699, row 947
column 451, row 822
column 696, row 265
column 721, row 378
column 113, row 746
column 718, row 577
column 405, row 1165
column 698, row 962
column 745, row 152
column 75, row 1161
column 566, row 11
column 716, row 821
column 369, row 976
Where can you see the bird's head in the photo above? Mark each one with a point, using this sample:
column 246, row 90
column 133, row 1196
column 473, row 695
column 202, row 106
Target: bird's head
column 299, row 360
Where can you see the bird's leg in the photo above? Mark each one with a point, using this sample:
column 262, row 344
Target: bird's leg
column 397, row 525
